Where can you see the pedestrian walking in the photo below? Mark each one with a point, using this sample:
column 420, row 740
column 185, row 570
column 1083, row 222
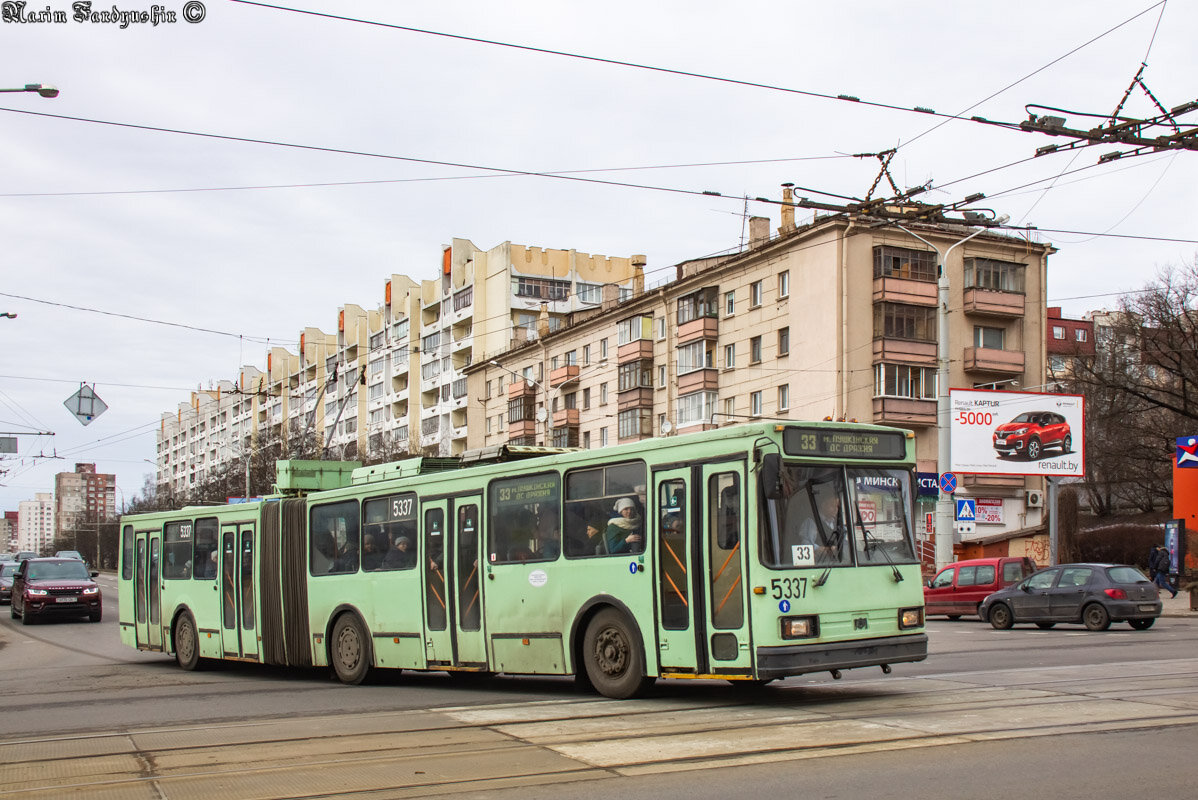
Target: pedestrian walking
column 1158, row 568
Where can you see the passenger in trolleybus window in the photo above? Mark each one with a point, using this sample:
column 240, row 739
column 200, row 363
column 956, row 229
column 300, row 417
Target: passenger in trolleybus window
column 623, row 534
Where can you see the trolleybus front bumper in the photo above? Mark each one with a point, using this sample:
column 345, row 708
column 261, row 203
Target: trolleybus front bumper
column 797, row 659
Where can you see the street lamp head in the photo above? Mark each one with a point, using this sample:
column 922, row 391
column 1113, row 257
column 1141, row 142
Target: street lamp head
column 1002, row 219
column 46, row 90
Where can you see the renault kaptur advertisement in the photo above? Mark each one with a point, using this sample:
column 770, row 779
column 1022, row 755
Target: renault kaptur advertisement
column 1017, row 433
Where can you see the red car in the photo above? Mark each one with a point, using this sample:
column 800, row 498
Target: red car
column 1030, row 433
column 55, row 587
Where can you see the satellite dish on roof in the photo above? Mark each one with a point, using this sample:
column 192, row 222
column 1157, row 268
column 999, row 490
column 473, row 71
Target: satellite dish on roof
column 666, row 427
column 542, row 415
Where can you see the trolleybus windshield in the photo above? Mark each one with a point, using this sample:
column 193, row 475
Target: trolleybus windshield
column 837, row 516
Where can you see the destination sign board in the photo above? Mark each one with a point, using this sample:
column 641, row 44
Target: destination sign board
column 843, row 443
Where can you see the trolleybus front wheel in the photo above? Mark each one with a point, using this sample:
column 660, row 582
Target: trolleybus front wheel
column 187, row 642
column 612, row 656
column 350, row 650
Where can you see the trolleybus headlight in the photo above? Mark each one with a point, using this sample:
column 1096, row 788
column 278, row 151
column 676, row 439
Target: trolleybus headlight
column 910, row 618
column 800, row 627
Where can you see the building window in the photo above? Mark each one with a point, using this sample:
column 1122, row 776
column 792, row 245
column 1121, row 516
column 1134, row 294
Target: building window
column 463, row 299
column 1058, row 332
column 635, row 422
column 990, row 338
column 902, row 380
column 586, row 440
column 661, row 376
column 755, row 294
column 755, row 404
column 730, row 407
column 634, row 375
column 696, row 408
column 755, row 350
column 702, row 303
column 783, row 341
column 730, row 356
column 602, row 349
column 729, row 303
column 661, row 328
column 1080, row 334
column 634, row 329
column 603, row 394
column 603, row 437
column 519, row 409
column 898, row 321
column 1057, row 364
column 993, row 275
column 784, row 284
column 586, row 398
column 586, row 354
column 784, row 398
column 903, row 262
column 695, row 356
column 565, row 437
column 589, row 292
column 540, row 288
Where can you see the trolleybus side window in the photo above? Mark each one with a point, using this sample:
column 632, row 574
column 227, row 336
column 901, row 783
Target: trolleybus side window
column 177, row 539
column 605, row 510
column 675, row 580
column 467, row 552
column 206, row 551
column 525, row 519
column 389, row 538
column 127, row 553
column 333, row 532
column 727, row 595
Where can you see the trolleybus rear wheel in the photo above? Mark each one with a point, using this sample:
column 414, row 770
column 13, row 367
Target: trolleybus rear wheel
column 187, row 642
column 612, row 656
column 350, row 650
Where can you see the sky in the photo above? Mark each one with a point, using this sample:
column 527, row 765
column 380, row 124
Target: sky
column 246, row 173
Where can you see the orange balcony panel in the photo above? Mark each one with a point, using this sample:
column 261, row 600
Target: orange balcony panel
column 696, row 329
column 635, row 351
column 520, row 388
column 984, row 359
column 565, row 417
column 635, row 398
column 905, row 351
column 992, row 481
column 902, row 290
column 698, row 381
column 563, row 374
column 526, row 428
column 994, row 304
column 904, row 411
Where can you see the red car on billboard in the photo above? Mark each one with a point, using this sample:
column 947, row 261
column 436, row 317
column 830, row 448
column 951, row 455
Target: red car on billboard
column 1030, row 433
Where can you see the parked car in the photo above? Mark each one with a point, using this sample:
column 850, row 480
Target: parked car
column 960, row 588
column 1031, row 432
column 1094, row 595
column 7, row 570
column 24, row 554
column 57, row 587
column 75, row 554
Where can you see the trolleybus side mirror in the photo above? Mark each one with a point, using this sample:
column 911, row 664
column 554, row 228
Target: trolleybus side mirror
column 771, row 468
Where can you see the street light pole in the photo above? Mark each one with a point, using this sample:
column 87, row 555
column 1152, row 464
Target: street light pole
column 43, row 89
column 944, row 502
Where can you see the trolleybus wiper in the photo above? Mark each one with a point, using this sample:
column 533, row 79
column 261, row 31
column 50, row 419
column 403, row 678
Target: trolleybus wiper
column 877, row 543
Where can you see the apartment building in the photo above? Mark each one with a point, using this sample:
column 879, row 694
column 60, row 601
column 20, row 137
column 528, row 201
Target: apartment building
column 8, row 531
column 392, row 380
column 35, row 524
column 82, row 497
column 834, row 319
column 1066, row 341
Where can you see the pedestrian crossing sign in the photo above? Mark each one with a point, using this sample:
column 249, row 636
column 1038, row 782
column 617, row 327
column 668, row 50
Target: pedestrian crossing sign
column 967, row 510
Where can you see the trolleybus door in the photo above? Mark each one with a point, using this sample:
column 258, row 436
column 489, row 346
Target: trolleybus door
column 723, row 491
column 676, row 523
column 452, row 598
column 147, row 589
column 238, row 607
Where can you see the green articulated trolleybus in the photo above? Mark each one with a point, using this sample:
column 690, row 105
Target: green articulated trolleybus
column 749, row 553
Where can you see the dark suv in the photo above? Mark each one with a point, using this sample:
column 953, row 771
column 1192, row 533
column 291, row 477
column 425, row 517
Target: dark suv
column 1031, row 432
column 59, row 587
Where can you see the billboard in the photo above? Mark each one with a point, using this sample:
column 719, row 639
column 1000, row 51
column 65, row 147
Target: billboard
column 1016, row 433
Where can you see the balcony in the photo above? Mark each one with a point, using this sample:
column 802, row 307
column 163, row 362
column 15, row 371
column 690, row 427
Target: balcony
column 563, row 375
column 1002, row 362
column 904, row 290
column 635, row 398
column 906, row 351
column 698, row 381
column 696, row 329
column 521, row 389
column 635, row 350
column 522, row 429
column 904, row 411
column 565, row 417
column 988, row 302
